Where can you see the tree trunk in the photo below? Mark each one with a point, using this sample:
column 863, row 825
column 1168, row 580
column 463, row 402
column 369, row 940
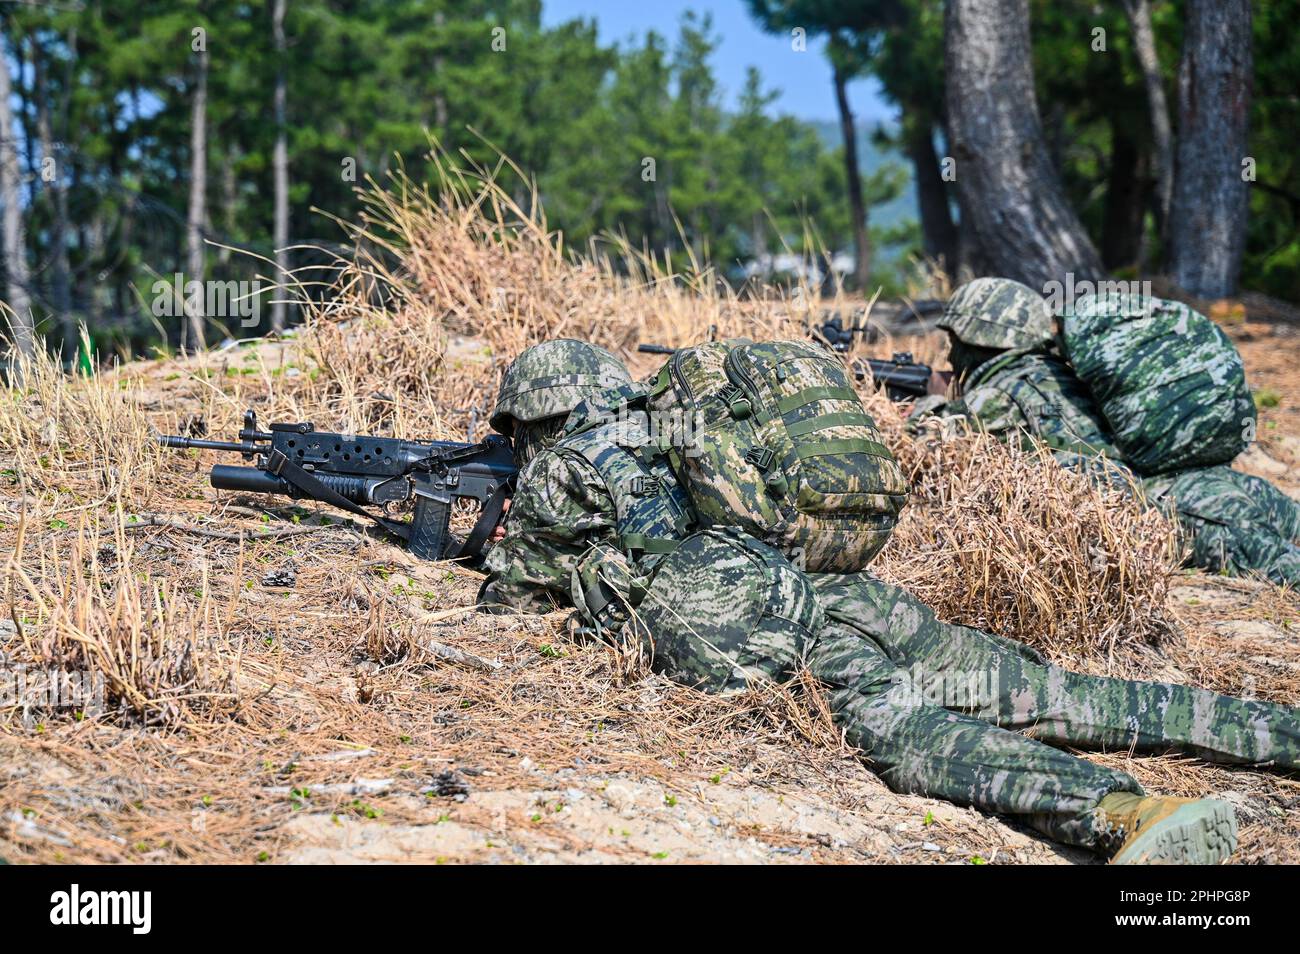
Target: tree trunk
column 439, row 97
column 14, row 235
column 1010, row 193
column 193, row 332
column 60, row 282
column 857, row 206
column 1125, row 210
column 1207, row 219
column 280, row 164
column 938, row 233
column 1162, row 158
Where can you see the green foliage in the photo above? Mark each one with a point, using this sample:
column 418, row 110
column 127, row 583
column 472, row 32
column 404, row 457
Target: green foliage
column 370, row 83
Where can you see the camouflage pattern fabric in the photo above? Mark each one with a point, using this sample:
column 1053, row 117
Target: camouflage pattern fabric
column 907, row 688
column 1036, row 394
column 998, row 313
column 551, row 378
column 724, row 610
column 1167, row 379
column 784, row 450
column 530, row 438
column 1236, row 523
column 600, row 485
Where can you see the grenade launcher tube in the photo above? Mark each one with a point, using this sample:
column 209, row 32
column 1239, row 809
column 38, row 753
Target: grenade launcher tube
column 252, row 480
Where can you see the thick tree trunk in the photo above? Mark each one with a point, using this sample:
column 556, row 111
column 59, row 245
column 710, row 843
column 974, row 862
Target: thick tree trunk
column 1126, row 202
column 1207, row 219
column 194, row 338
column 280, row 164
column 1009, row 191
column 853, row 177
column 13, row 234
column 1162, row 158
column 938, row 233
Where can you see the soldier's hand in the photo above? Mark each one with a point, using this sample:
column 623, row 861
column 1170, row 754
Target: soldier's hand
column 499, row 531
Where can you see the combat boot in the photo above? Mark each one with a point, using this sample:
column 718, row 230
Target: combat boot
column 1157, row 830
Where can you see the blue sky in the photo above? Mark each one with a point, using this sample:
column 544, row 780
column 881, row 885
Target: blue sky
column 804, row 79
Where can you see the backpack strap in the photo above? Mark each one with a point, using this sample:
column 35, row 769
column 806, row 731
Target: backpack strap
column 651, row 510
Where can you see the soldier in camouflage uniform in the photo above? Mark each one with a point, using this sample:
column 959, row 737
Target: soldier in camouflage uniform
column 1015, row 383
column 932, row 705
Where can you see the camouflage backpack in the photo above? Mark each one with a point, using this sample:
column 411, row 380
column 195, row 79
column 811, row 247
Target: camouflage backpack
column 1168, row 380
column 1034, row 392
column 783, row 449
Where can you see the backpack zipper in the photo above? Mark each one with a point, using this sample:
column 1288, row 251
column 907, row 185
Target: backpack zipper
column 675, row 371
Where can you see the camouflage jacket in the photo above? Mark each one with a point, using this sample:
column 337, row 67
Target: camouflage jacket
column 1032, row 393
column 602, row 486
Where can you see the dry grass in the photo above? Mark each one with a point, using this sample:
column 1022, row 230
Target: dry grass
column 145, row 654
column 1009, row 541
column 87, row 445
column 237, row 707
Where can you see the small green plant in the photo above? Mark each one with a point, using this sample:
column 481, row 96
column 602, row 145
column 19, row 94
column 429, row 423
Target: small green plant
column 1267, row 397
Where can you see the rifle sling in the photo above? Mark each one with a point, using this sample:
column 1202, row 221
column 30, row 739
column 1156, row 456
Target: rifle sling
column 281, row 466
column 487, row 521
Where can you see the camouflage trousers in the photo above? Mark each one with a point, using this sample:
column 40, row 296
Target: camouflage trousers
column 1236, row 522
column 940, row 710
column 955, row 713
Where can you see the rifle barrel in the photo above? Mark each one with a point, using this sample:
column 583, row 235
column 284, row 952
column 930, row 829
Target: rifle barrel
column 185, row 443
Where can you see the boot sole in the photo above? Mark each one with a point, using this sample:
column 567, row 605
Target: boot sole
column 1202, row 833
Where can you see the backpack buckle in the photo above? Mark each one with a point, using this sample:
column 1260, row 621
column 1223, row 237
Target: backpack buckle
column 760, row 457
column 736, row 402
column 644, row 486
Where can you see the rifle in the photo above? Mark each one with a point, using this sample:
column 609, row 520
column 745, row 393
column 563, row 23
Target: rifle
column 351, row 471
column 902, row 377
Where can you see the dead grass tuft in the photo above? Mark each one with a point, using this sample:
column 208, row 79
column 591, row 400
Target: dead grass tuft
column 1009, row 541
column 75, row 439
column 140, row 648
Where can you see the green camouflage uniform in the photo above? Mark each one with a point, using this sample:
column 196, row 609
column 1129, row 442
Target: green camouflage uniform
column 1233, row 522
column 721, row 610
column 1237, row 522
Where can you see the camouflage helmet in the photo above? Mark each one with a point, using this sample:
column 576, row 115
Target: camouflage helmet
column 550, row 379
column 998, row 313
